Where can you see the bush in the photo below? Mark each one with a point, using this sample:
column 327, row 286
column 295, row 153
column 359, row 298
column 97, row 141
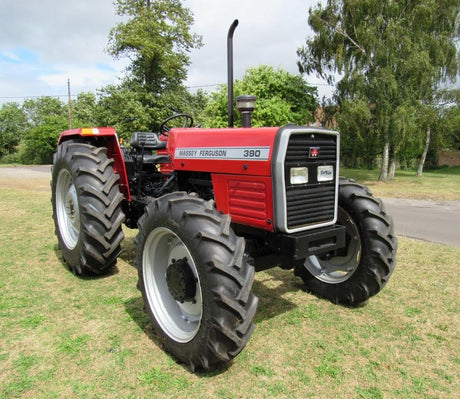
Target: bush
column 40, row 142
column 10, row 159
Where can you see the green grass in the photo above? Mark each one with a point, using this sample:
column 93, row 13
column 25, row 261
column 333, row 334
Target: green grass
column 440, row 184
column 67, row 337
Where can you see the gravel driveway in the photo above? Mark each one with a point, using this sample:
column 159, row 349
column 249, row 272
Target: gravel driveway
column 35, row 178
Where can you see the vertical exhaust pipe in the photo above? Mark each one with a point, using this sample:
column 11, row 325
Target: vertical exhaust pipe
column 230, row 72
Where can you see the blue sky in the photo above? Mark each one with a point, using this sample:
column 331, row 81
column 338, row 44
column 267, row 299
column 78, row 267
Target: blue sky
column 44, row 43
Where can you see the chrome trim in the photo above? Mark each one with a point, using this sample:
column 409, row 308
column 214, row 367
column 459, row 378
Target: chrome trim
column 278, row 172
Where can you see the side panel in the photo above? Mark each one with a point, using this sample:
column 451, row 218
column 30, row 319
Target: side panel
column 109, row 136
column 245, row 151
column 248, row 199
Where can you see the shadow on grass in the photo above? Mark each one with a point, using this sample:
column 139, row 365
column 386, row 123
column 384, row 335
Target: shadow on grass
column 88, row 275
column 136, row 310
column 270, row 287
column 128, row 251
column 270, row 291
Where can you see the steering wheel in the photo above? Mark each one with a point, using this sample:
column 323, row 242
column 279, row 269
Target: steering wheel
column 164, row 129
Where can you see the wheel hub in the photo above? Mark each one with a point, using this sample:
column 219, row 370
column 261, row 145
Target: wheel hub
column 181, row 281
column 338, row 267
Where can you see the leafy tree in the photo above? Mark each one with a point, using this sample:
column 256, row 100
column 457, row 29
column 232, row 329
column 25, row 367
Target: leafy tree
column 84, row 110
column 12, row 124
column 451, row 128
column 45, row 118
column 124, row 109
column 326, row 113
column 157, row 39
column 281, row 98
column 39, row 143
column 38, row 109
column 355, row 121
column 391, row 55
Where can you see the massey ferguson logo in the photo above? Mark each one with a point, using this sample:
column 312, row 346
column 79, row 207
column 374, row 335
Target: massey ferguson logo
column 313, row 152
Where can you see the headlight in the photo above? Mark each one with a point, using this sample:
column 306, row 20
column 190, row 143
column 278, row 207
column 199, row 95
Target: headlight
column 299, row 175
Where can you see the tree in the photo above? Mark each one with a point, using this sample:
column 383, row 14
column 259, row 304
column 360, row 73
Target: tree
column 157, row 39
column 12, row 124
column 44, row 119
column 281, row 98
column 38, row 109
column 84, row 110
column 39, row 143
column 355, row 121
column 124, row 109
column 451, row 128
column 393, row 55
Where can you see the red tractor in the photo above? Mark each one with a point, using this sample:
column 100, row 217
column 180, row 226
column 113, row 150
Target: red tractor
column 212, row 206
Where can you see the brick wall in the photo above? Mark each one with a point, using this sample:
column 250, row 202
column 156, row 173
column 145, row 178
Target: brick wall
column 449, row 158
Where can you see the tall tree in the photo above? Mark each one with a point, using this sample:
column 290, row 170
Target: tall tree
column 84, row 110
column 157, row 40
column 12, row 124
column 39, row 142
column 46, row 117
column 38, row 109
column 281, row 98
column 391, row 54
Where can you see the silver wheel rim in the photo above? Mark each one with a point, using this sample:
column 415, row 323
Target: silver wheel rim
column 67, row 209
column 180, row 321
column 338, row 268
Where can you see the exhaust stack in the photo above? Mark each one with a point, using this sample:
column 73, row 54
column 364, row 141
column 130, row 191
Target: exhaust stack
column 230, row 71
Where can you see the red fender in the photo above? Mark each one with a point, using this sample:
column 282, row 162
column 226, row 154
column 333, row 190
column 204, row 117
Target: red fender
column 109, row 136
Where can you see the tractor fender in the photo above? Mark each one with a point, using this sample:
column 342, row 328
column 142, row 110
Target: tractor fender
column 107, row 137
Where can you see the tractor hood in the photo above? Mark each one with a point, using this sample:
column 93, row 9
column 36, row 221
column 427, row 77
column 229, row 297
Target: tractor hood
column 242, row 151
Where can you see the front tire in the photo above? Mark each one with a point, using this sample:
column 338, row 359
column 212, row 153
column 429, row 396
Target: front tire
column 354, row 274
column 86, row 207
column 195, row 281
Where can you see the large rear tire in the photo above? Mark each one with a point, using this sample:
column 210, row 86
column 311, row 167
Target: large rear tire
column 360, row 270
column 86, row 207
column 195, row 280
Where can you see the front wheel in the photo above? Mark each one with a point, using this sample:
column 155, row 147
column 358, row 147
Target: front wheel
column 195, row 281
column 353, row 274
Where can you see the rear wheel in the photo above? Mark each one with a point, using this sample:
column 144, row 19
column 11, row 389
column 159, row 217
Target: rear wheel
column 195, row 281
column 86, row 207
column 360, row 270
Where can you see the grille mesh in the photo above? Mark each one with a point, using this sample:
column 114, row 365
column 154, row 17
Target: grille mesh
column 314, row 202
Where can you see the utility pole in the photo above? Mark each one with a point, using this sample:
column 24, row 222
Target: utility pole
column 69, row 103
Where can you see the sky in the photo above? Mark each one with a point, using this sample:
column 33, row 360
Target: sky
column 44, row 43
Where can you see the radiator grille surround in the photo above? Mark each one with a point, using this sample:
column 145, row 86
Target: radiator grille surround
column 300, row 207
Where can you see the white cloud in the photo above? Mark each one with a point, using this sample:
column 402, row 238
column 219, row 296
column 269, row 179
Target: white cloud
column 80, row 77
column 269, row 32
column 59, row 31
column 43, row 43
column 11, row 56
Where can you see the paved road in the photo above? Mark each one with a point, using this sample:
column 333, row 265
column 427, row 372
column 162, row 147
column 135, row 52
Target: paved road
column 36, row 178
column 435, row 221
column 425, row 220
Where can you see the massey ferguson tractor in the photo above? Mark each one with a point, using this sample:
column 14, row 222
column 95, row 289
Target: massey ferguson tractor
column 212, row 206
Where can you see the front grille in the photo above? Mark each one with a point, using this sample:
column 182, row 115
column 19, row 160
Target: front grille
column 314, row 202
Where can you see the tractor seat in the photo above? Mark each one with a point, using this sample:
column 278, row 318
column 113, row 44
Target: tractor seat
column 147, row 141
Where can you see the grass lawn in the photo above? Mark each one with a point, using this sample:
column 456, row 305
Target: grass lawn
column 66, row 337
column 440, row 184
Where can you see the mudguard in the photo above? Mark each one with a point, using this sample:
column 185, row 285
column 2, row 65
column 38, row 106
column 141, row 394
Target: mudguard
column 109, row 138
